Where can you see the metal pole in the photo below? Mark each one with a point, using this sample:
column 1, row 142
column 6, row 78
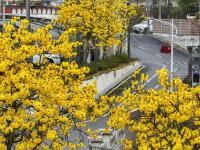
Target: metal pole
column 0, row 8
column 4, row 17
column 172, row 49
column 159, row 9
column 190, row 66
column 28, row 12
column 128, row 35
column 147, row 1
column 129, row 41
column 199, row 22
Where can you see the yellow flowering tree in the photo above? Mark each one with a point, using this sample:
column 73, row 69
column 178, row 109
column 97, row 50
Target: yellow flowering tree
column 168, row 118
column 97, row 22
column 40, row 104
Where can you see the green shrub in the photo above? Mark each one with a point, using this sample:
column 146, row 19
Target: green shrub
column 108, row 63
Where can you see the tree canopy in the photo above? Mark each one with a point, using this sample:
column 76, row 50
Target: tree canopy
column 40, row 104
column 168, row 118
column 98, row 23
column 189, row 6
column 102, row 19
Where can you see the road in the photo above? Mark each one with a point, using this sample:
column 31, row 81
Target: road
column 147, row 49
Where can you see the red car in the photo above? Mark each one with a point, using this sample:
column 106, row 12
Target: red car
column 165, row 49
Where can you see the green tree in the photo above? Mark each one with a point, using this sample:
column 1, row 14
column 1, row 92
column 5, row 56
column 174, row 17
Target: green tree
column 42, row 103
column 188, row 6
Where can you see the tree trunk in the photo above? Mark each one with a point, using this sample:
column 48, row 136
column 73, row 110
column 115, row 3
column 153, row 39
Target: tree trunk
column 9, row 143
column 86, row 50
column 168, row 9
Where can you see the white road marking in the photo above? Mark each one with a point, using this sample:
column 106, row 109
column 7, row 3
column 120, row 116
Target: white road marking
column 140, row 47
column 158, row 55
column 175, row 69
column 134, row 110
column 109, row 93
column 163, row 66
column 157, row 86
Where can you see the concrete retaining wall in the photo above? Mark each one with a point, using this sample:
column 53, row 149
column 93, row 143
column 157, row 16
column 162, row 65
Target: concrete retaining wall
column 180, row 42
column 107, row 81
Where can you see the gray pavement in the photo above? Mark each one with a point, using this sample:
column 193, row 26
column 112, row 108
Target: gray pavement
column 147, row 49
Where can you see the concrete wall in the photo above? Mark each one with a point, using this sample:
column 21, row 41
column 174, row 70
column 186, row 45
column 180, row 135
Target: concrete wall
column 181, row 41
column 107, row 81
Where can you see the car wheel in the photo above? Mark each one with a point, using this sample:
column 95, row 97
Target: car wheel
column 136, row 32
column 145, row 31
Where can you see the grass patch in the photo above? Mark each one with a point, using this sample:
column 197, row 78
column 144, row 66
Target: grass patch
column 108, row 63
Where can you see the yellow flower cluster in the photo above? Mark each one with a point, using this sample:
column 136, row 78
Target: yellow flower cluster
column 105, row 20
column 42, row 102
column 168, row 118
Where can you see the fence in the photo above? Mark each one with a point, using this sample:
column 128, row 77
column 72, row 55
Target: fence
column 185, row 27
column 188, row 32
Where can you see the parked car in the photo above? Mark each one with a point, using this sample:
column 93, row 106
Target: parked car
column 196, row 76
column 165, row 49
column 143, row 27
column 52, row 58
column 1, row 27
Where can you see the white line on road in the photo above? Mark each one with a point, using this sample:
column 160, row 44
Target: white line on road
column 175, row 69
column 157, row 86
column 140, row 47
column 158, row 55
column 110, row 92
column 163, row 66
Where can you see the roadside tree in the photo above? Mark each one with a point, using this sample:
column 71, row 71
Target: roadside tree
column 98, row 23
column 167, row 118
column 189, row 6
column 40, row 105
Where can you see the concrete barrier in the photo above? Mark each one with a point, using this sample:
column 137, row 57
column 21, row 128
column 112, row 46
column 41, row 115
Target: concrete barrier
column 105, row 82
column 180, row 42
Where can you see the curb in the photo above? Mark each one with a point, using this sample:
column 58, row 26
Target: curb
column 113, row 86
column 123, row 81
column 183, row 50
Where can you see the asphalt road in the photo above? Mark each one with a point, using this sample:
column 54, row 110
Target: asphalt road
column 147, row 49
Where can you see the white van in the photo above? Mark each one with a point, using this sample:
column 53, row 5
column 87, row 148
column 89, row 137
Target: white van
column 53, row 58
column 143, row 27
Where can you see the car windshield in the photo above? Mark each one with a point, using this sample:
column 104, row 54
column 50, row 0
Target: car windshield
column 146, row 22
column 143, row 22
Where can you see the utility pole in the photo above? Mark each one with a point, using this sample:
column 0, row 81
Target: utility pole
column 28, row 12
column 159, row 9
column 148, row 14
column 128, row 38
column 129, row 41
column 172, row 50
column 4, row 17
column 190, row 66
column 199, row 23
column 0, row 9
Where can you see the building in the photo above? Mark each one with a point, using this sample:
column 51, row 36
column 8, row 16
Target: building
column 151, row 3
column 23, row 2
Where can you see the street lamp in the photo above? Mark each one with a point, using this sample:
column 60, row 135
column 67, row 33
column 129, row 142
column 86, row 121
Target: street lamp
column 199, row 22
column 172, row 42
column 2, row 11
column 128, row 36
